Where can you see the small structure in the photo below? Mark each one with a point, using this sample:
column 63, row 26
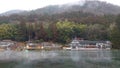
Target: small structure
column 85, row 44
column 42, row 46
column 50, row 46
column 75, row 44
column 7, row 45
column 33, row 46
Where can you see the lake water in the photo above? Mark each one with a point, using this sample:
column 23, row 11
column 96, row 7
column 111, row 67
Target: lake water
column 60, row 59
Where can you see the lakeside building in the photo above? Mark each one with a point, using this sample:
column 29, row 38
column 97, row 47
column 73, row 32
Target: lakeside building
column 50, row 46
column 42, row 46
column 7, row 45
column 33, row 46
column 86, row 44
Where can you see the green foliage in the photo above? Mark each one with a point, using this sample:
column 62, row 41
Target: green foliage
column 97, row 32
column 115, row 38
column 115, row 34
column 61, row 32
column 22, row 34
column 68, row 30
column 7, row 31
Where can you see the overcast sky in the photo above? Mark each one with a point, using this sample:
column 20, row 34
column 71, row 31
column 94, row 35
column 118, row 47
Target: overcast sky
column 6, row 5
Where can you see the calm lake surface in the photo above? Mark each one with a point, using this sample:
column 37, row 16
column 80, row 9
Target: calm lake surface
column 60, row 59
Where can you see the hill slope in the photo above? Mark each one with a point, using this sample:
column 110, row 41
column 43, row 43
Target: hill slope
column 82, row 11
column 96, row 7
column 11, row 12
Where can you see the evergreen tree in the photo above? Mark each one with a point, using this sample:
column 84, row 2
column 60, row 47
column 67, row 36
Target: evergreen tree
column 115, row 34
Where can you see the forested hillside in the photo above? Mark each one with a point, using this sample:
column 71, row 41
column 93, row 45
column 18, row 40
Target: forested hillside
column 91, row 20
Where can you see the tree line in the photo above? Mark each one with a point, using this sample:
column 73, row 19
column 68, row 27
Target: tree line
column 62, row 31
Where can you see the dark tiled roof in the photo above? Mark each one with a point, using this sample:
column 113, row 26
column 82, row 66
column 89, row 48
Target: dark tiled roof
column 91, row 42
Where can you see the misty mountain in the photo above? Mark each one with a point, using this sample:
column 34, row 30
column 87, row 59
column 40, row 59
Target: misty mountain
column 95, row 7
column 11, row 12
column 87, row 6
column 84, row 11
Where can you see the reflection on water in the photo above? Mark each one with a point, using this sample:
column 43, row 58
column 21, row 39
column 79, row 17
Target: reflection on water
column 60, row 59
column 91, row 55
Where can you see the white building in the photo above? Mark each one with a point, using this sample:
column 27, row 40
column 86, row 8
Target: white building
column 75, row 44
